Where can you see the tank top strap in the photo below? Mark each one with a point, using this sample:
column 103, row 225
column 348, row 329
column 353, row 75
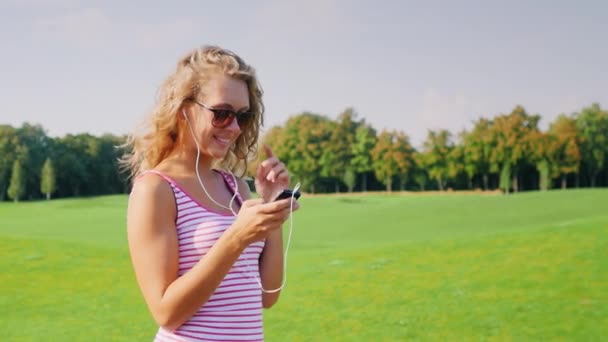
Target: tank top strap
column 174, row 186
column 229, row 179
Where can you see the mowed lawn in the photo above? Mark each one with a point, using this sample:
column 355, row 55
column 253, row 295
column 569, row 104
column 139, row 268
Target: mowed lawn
column 531, row 266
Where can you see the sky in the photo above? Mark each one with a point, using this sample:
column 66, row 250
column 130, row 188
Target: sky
column 95, row 66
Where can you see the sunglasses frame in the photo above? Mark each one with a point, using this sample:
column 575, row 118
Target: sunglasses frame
column 242, row 118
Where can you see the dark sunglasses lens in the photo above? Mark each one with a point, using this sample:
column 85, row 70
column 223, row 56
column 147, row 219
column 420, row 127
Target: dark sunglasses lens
column 244, row 119
column 222, row 117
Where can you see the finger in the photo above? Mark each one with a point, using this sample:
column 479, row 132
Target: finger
column 268, row 151
column 275, row 206
column 276, row 171
column 284, row 214
column 283, row 176
column 252, row 202
column 296, row 205
column 273, row 221
column 281, row 217
column 277, row 218
column 270, row 162
column 260, row 172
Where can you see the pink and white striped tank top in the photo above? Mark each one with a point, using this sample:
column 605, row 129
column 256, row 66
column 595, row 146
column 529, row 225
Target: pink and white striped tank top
column 234, row 311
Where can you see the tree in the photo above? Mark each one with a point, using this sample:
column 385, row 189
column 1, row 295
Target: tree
column 457, row 165
column 32, row 150
column 384, row 166
column 8, row 147
column 420, row 174
column 350, row 179
column 300, row 146
column 592, row 123
column 505, row 177
column 333, row 159
column 477, row 150
column 365, row 139
column 567, row 154
column 16, row 189
column 403, row 154
column 391, row 156
column 509, row 136
column 437, row 148
column 544, row 157
column 71, row 158
column 47, row 179
column 110, row 150
column 337, row 151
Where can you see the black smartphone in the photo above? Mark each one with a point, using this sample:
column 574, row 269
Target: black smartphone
column 287, row 193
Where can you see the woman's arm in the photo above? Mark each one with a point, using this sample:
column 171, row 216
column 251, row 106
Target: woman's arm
column 271, row 267
column 153, row 245
column 271, row 260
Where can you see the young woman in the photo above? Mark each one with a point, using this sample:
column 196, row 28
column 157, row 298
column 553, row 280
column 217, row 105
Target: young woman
column 206, row 256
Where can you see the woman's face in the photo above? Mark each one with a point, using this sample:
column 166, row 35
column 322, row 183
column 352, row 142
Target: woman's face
column 216, row 132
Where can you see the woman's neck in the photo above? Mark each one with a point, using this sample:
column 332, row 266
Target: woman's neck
column 188, row 160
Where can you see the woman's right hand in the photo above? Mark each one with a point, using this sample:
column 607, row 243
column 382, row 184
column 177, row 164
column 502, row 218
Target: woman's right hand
column 257, row 219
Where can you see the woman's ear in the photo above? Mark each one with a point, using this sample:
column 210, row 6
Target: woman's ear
column 181, row 124
column 185, row 111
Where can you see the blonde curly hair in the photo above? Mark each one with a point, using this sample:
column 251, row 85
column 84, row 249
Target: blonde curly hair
column 147, row 149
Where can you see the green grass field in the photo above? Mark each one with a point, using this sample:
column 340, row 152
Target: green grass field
column 531, row 266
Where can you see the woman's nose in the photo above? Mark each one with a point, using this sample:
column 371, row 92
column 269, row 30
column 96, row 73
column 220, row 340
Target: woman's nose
column 234, row 125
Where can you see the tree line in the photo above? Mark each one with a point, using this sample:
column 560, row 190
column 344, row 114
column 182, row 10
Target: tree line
column 34, row 165
column 507, row 152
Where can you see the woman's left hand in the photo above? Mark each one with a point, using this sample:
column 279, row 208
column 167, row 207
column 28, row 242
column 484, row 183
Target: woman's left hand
column 271, row 177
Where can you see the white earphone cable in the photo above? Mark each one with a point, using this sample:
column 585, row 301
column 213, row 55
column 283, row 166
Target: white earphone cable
column 284, row 281
column 198, row 153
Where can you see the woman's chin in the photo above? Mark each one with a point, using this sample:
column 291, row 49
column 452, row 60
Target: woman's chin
column 218, row 153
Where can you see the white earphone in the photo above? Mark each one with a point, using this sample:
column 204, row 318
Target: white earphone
column 198, row 153
column 236, row 189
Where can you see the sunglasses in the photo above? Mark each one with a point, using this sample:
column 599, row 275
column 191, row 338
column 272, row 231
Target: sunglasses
column 223, row 117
